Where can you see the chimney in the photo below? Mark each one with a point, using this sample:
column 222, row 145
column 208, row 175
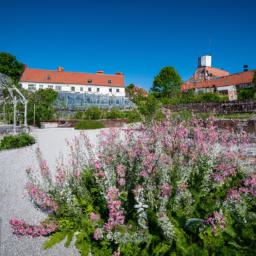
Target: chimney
column 119, row 73
column 100, row 72
column 60, row 69
column 245, row 67
column 205, row 61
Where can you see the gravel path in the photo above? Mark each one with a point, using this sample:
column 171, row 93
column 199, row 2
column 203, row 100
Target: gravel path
column 14, row 203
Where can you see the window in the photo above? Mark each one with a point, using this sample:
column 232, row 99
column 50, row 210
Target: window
column 98, row 89
column 58, row 88
column 109, row 81
column 118, row 90
column 110, row 89
column 89, row 81
column 50, row 86
column 89, row 89
column 73, row 88
column 31, row 87
column 41, row 86
column 81, row 89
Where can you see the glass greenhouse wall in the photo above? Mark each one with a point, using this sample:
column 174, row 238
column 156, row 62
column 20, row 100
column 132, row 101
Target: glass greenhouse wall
column 77, row 101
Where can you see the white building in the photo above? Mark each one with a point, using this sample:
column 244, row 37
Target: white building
column 74, row 82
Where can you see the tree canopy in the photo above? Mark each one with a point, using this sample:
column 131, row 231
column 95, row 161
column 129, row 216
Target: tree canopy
column 44, row 105
column 10, row 66
column 166, row 83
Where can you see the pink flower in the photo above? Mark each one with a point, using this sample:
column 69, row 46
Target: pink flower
column 121, row 182
column 216, row 220
column 60, row 175
column 165, row 189
column 116, row 213
column 97, row 166
column 120, row 170
column 44, row 168
column 100, row 174
column 21, row 228
column 98, row 234
column 40, row 198
column 94, row 216
column 144, row 174
column 233, row 194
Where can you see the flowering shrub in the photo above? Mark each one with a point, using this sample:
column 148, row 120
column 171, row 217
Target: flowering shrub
column 166, row 189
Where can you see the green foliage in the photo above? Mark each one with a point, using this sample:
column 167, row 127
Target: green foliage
column 88, row 125
column 54, row 239
column 16, row 141
column 129, row 90
column 43, row 101
column 194, row 195
column 149, row 108
column 79, row 115
column 10, row 66
column 133, row 116
column 166, row 83
column 115, row 113
column 92, row 113
column 246, row 94
column 191, row 97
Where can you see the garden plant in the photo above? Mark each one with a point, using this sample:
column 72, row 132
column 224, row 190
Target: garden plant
column 168, row 188
column 16, row 141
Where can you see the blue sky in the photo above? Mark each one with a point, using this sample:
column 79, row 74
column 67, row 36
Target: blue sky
column 137, row 38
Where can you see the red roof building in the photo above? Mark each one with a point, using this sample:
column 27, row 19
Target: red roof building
column 73, row 81
column 209, row 79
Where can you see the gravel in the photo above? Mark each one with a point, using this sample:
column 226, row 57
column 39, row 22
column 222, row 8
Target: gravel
column 13, row 200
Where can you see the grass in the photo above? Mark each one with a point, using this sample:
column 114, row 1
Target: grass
column 89, row 125
column 16, row 141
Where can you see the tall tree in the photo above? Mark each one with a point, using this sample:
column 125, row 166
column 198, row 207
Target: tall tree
column 10, row 66
column 166, row 83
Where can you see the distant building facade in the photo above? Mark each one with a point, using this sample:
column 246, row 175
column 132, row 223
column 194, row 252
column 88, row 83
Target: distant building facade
column 209, row 79
column 74, row 82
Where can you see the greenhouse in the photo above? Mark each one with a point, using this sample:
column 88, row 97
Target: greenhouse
column 77, row 101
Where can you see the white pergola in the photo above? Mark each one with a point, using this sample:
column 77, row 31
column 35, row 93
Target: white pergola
column 14, row 96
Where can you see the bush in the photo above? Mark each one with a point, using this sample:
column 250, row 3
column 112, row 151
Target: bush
column 191, row 97
column 88, row 125
column 16, row 141
column 149, row 108
column 92, row 113
column 169, row 189
column 115, row 113
column 79, row 115
column 246, row 94
column 132, row 116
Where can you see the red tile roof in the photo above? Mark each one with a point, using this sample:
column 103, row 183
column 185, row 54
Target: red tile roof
column 217, row 71
column 201, row 72
column 62, row 77
column 235, row 79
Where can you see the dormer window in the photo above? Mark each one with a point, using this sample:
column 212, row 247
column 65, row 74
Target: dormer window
column 109, row 81
column 48, row 77
column 89, row 81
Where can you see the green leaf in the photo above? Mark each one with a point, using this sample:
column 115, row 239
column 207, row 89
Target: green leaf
column 69, row 239
column 54, row 239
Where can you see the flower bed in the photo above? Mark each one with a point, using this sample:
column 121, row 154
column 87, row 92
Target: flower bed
column 173, row 188
column 16, row 141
